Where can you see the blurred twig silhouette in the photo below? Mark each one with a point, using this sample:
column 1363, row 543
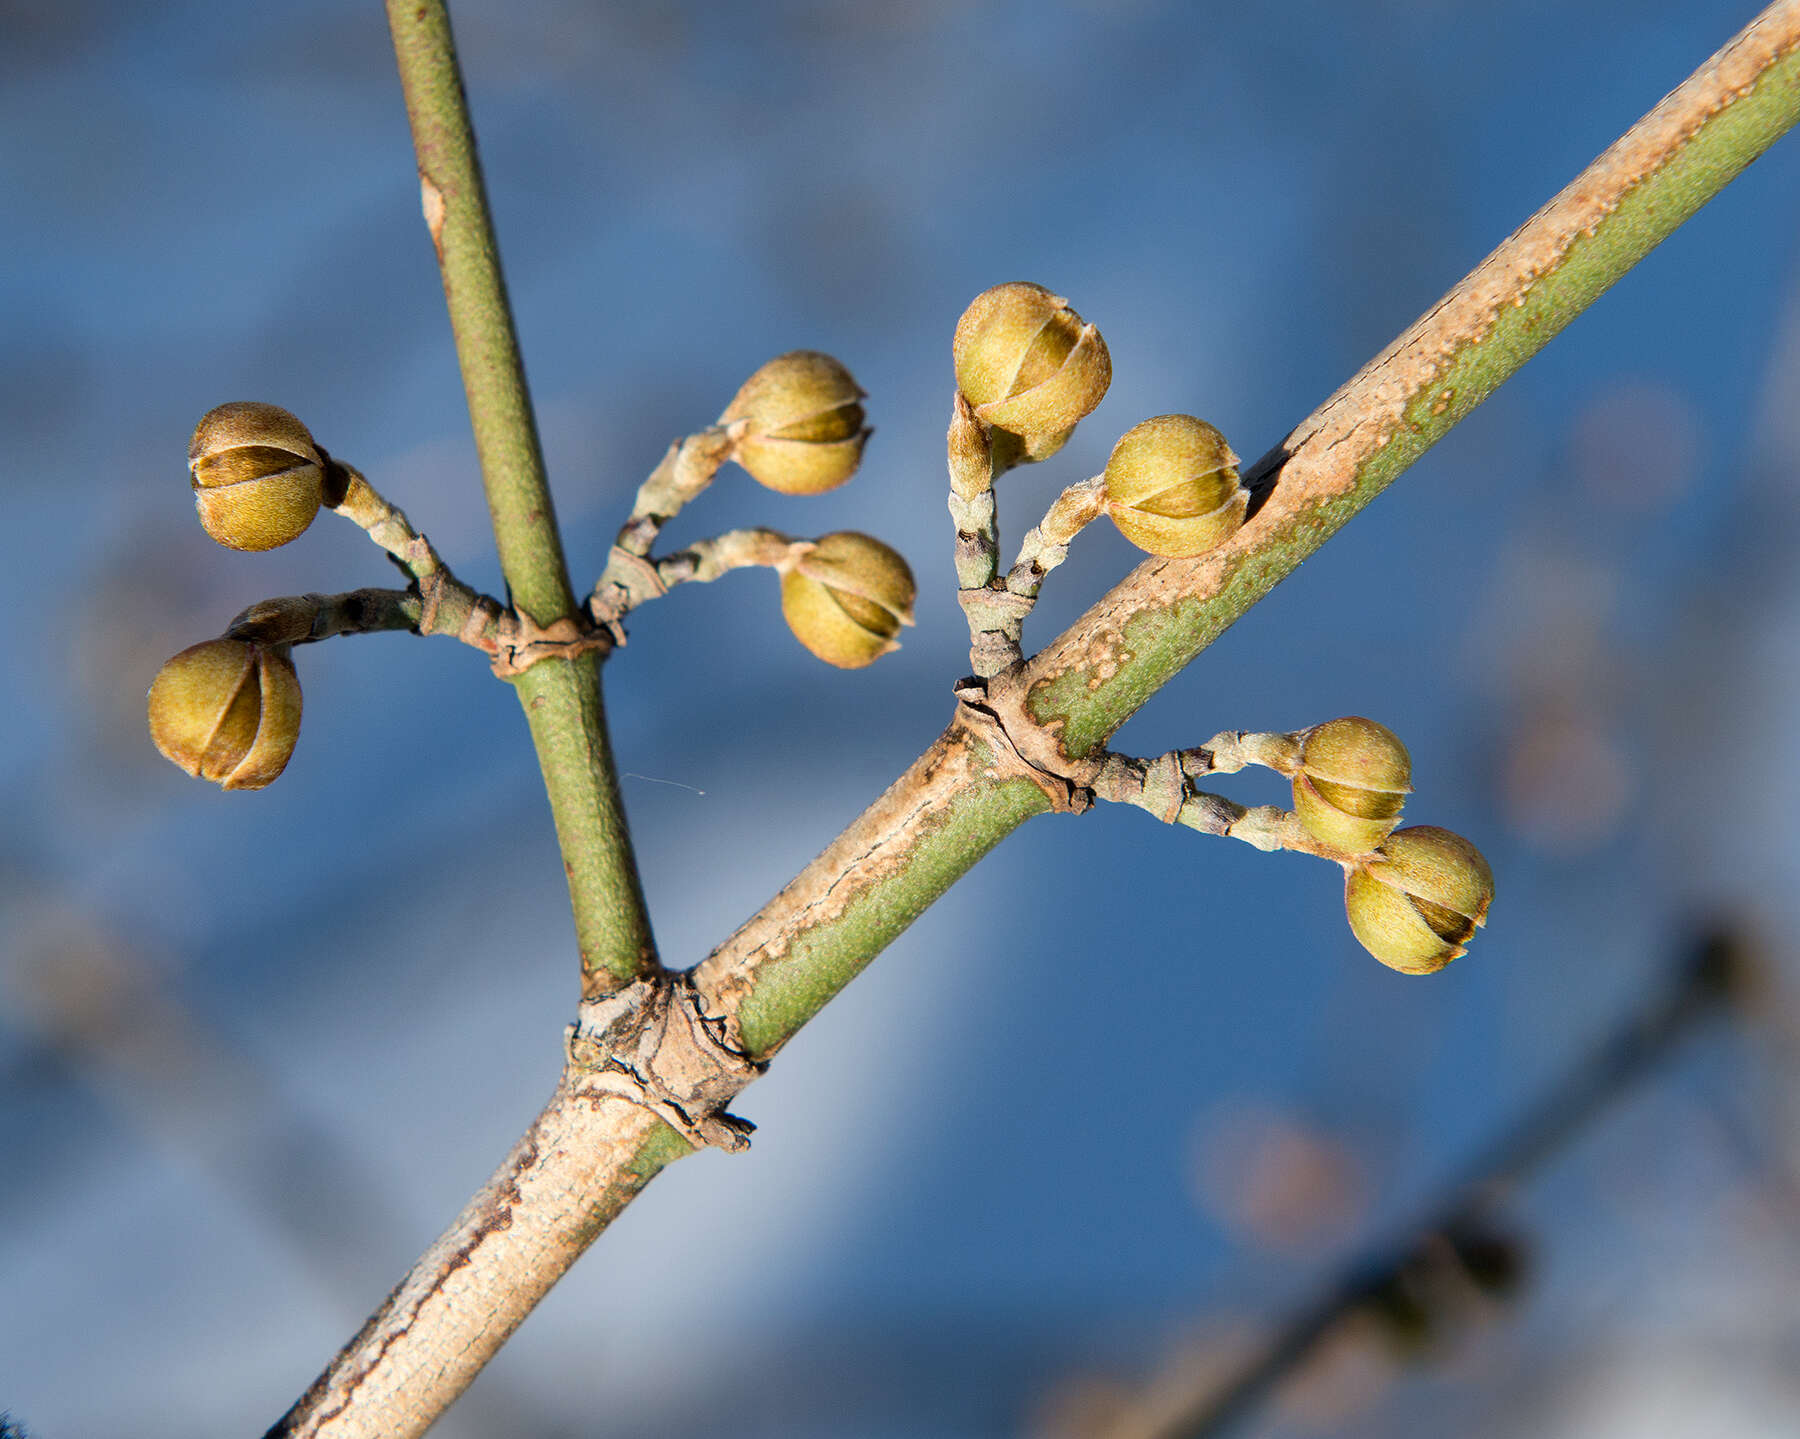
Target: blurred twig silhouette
column 1427, row 1282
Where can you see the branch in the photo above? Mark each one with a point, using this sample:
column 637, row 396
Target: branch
column 679, row 477
column 588, row 1153
column 631, row 580
column 1709, row 977
column 561, row 697
column 782, row 966
column 1093, row 678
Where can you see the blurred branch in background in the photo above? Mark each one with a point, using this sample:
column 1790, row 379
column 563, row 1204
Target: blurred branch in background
column 1441, row 1274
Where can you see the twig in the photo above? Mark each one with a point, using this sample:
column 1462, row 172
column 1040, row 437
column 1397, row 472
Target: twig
column 1160, row 787
column 584, row 1159
column 350, row 494
column 997, row 609
column 973, row 470
column 1089, row 681
column 437, row 603
column 1046, row 544
column 686, row 470
column 1706, row 978
column 305, row 619
column 636, row 580
column 561, row 697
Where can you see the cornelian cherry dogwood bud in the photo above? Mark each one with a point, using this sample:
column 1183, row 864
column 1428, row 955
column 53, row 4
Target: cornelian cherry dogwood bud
column 1172, row 487
column 1030, row 366
column 1353, row 779
column 227, row 711
column 258, row 477
column 846, row 597
column 1419, row 899
column 803, row 423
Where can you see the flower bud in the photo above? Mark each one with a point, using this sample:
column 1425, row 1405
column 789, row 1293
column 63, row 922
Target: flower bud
column 258, row 477
column 227, row 711
column 846, row 597
column 1418, row 900
column 1030, row 366
column 803, row 424
column 1352, row 780
column 1172, row 487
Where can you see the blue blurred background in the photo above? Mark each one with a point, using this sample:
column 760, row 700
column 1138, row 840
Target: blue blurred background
column 1126, row 1095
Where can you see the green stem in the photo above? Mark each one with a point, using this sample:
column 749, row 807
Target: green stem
column 462, row 231
column 562, row 698
column 563, row 706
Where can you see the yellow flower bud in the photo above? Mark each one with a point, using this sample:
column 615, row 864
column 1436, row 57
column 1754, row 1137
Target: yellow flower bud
column 803, row 424
column 1353, row 779
column 1417, row 902
column 1172, row 487
column 227, row 711
column 1030, row 366
column 258, row 477
column 846, row 597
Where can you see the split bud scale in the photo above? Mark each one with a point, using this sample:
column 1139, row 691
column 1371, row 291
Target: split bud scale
column 1172, row 487
column 1030, row 366
column 258, row 477
column 802, row 419
column 227, row 711
column 846, row 597
column 1352, row 780
column 1417, row 902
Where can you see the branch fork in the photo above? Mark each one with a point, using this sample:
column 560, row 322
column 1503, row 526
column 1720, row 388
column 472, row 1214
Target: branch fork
column 975, row 714
column 995, row 709
column 651, row 1043
column 996, row 605
column 520, row 642
column 435, row 602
